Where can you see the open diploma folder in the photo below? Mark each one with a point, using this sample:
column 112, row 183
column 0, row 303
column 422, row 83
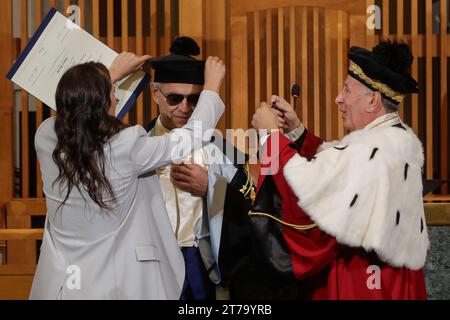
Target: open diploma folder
column 59, row 44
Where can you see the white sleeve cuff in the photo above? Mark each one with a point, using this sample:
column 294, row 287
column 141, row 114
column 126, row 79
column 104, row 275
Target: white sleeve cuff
column 264, row 135
column 296, row 133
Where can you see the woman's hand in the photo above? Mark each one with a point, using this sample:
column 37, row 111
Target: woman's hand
column 125, row 64
column 264, row 118
column 214, row 74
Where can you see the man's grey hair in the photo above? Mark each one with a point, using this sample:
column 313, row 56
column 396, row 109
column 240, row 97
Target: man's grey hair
column 388, row 105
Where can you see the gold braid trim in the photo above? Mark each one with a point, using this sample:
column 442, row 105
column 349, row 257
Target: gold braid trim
column 397, row 96
column 248, row 189
column 293, row 226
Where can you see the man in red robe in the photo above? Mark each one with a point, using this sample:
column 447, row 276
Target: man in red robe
column 352, row 211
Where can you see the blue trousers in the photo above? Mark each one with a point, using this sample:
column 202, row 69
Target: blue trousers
column 197, row 285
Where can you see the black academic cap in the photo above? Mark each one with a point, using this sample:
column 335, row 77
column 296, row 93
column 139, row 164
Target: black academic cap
column 180, row 66
column 384, row 69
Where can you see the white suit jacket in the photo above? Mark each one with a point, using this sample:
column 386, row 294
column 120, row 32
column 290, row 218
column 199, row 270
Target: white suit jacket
column 131, row 253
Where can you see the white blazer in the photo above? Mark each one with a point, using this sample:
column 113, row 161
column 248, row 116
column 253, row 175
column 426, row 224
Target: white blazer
column 131, row 253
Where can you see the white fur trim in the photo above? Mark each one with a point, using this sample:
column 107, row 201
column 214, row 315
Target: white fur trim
column 327, row 185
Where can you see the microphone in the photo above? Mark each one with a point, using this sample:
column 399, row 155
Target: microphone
column 295, row 93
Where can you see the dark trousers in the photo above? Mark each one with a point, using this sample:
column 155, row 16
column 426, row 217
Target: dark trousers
column 197, row 285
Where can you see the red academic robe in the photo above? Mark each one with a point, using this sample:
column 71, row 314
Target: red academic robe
column 327, row 269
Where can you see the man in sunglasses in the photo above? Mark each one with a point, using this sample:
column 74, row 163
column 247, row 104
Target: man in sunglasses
column 195, row 191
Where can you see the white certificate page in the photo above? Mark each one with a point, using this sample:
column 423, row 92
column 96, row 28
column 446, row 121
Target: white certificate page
column 58, row 45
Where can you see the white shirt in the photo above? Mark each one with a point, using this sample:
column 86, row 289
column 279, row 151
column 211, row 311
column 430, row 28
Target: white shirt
column 184, row 209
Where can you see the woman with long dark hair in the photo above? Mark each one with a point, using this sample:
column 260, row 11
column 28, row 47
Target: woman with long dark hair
column 107, row 235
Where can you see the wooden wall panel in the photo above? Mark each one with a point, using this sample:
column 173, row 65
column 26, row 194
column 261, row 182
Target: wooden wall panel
column 292, row 65
column 444, row 95
column 6, row 117
column 215, row 44
column 400, row 18
column 280, row 53
column 205, row 22
column 370, row 33
column 39, row 104
column 296, row 45
column 25, row 174
column 125, row 39
column 110, row 26
column 96, row 18
column 328, row 80
column 257, row 61
column 341, row 59
column 415, row 66
column 15, row 287
column 399, row 36
column 429, row 90
column 22, row 252
column 305, row 80
column 316, row 72
column 239, row 7
column 82, row 5
column 154, row 52
column 191, row 21
column 239, row 74
column 166, row 39
column 333, row 87
column 385, row 20
column 139, row 52
column 268, row 49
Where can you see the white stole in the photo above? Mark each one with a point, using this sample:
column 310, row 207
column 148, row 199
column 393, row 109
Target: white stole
column 184, row 209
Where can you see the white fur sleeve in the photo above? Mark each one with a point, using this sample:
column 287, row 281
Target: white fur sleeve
column 365, row 196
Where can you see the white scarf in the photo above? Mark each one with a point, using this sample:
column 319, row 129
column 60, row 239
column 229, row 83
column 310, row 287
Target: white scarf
column 184, row 209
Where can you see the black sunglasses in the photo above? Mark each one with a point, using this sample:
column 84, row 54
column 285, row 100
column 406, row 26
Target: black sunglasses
column 174, row 99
